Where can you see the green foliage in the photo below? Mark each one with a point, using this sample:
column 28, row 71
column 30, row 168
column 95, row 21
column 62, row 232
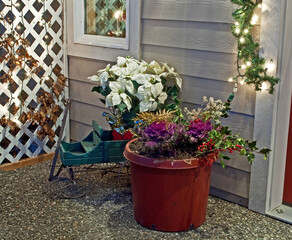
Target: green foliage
column 266, row 152
column 99, row 89
column 254, row 71
column 225, row 142
column 175, row 107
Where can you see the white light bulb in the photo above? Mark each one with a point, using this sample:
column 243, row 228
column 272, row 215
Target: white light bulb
column 117, row 14
column 235, row 87
column 243, row 66
column 264, row 86
column 245, row 31
column 264, row 7
column 237, row 30
column 254, row 19
column 241, row 82
column 270, row 66
column 248, row 63
column 230, row 80
column 12, row 42
column 242, row 40
column 236, row 23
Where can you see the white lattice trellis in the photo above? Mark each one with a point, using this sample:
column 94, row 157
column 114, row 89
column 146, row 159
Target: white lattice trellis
column 42, row 20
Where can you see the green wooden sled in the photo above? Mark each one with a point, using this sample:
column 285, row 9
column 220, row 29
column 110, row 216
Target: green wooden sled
column 72, row 179
column 97, row 147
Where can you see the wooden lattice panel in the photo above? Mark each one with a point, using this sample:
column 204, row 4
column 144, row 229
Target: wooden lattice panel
column 41, row 23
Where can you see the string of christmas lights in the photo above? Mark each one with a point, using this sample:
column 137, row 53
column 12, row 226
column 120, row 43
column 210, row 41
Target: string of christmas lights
column 251, row 68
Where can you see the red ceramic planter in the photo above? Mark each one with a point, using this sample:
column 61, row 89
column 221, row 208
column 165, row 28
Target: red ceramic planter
column 169, row 195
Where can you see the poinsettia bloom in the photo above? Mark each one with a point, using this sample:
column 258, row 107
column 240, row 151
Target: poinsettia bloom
column 133, row 81
column 102, row 78
column 114, row 99
column 149, row 94
column 118, row 95
column 155, row 68
column 148, row 105
column 162, row 97
column 121, row 61
column 156, row 89
column 147, row 102
column 115, row 70
column 144, row 91
column 142, row 78
column 121, row 85
column 155, row 78
column 132, row 68
column 172, row 74
column 149, row 90
column 143, row 66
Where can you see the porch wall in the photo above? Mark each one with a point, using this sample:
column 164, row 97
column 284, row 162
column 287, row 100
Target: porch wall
column 85, row 106
column 195, row 38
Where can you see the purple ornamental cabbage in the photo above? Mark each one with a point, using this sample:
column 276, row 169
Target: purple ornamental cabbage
column 199, row 129
column 158, row 132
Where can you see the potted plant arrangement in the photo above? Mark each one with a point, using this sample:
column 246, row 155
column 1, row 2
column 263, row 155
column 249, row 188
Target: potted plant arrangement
column 172, row 154
column 171, row 164
column 133, row 86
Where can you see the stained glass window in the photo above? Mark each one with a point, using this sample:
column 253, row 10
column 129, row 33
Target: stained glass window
column 105, row 18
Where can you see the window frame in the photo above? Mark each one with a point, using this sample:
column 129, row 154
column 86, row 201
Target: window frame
column 95, row 40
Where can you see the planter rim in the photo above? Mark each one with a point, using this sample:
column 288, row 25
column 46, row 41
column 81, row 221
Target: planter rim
column 165, row 163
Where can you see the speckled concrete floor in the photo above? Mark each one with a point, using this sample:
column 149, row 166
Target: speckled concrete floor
column 29, row 209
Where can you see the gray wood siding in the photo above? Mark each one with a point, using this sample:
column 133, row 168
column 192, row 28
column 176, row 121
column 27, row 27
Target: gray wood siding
column 191, row 35
column 194, row 37
column 85, row 105
column 215, row 11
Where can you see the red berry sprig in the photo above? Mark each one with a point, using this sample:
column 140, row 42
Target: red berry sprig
column 232, row 149
column 207, row 146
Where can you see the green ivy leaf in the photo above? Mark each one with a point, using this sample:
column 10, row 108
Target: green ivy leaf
column 242, row 152
column 265, row 151
column 250, row 157
column 252, row 145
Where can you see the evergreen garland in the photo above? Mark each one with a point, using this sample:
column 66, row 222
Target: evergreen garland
column 251, row 68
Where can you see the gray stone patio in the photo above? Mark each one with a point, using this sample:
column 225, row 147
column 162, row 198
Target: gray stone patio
column 30, row 209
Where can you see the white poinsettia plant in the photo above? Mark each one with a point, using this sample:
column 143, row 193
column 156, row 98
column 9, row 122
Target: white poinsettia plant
column 132, row 86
